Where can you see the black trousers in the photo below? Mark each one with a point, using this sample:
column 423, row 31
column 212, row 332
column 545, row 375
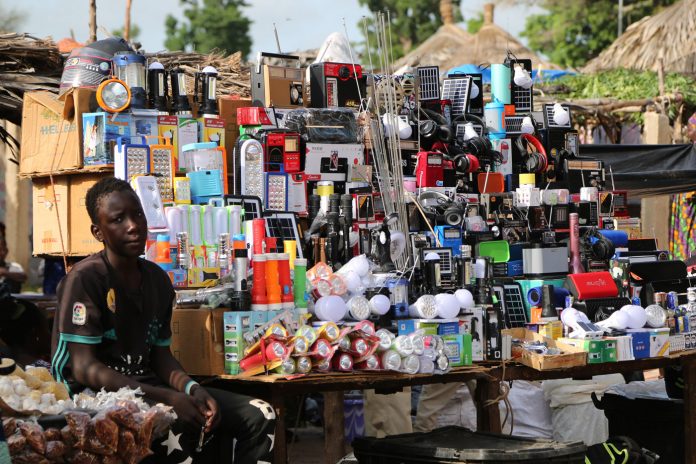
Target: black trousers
column 246, row 434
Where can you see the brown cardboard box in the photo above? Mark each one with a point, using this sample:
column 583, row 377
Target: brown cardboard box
column 51, row 131
column 228, row 112
column 197, row 340
column 67, row 204
column 571, row 356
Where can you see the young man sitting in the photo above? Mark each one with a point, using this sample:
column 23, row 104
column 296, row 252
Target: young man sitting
column 112, row 330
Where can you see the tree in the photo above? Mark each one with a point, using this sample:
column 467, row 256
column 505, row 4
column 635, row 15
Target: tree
column 412, row 21
column 474, row 24
column 571, row 33
column 11, row 20
column 211, row 24
column 134, row 32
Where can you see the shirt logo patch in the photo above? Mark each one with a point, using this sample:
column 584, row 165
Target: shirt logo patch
column 79, row 314
column 111, row 300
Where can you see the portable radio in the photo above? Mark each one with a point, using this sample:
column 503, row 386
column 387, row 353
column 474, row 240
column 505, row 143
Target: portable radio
column 131, row 159
column 613, row 203
column 333, row 85
column 281, row 151
column 558, row 216
column 276, row 198
column 277, row 86
column 450, row 237
column 429, row 169
column 588, row 213
column 583, row 172
column 589, row 285
column 555, row 134
column 162, row 166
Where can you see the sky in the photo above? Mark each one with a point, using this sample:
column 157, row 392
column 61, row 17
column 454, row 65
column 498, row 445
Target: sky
column 302, row 24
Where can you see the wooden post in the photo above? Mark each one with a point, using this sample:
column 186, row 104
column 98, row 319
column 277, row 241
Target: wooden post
column 334, row 439
column 487, row 417
column 92, row 21
column 280, row 446
column 126, row 24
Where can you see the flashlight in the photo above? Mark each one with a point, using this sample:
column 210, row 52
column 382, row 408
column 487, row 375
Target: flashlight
column 180, row 103
column 157, row 87
column 206, row 82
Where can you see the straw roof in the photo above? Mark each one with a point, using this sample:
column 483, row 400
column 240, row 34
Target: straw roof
column 668, row 35
column 491, row 44
column 437, row 49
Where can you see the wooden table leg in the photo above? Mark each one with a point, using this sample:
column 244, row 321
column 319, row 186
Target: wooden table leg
column 280, row 446
column 334, row 433
column 689, row 373
column 487, row 417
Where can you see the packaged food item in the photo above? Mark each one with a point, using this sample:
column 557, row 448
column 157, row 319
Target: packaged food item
column 34, row 435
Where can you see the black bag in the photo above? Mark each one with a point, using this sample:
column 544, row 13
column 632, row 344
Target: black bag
column 619, row 450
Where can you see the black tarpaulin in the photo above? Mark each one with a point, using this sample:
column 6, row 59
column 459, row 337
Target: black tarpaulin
column 647, row 170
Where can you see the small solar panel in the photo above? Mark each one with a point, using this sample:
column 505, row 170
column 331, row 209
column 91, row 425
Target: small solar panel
column 283, row 226
column 457, row 90
column 252, row 206
column 548, row 116
column 510, row 296
column 429, row 83
column 459, row 132
column 513, row 125
column 522, row 98
column 445, row 261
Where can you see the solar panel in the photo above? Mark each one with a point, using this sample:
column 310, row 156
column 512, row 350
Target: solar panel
column 283, row 226
column 548, row 116
column 522, row 98
column 253, row 209
column 445, row 262
column 457, row 91
column 459, row 132
column 510, row 296
column 513, row 125
column 429, row 83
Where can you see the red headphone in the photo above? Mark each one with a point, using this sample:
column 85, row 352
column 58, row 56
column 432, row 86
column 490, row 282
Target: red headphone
column 537, row 161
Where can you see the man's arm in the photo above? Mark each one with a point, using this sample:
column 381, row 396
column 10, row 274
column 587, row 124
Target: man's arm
column 89, row 371
column 12, row 274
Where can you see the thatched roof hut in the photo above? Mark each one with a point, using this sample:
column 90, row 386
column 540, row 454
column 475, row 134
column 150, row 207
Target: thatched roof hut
column 668, row 35
column 437, row 49
column 491, row 44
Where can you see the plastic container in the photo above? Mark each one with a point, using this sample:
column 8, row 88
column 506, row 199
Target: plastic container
column 655, row 424
column 460, row 445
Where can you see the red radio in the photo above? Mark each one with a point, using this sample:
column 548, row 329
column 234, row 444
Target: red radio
column 281, row 151
column 589, row 285
column 430, row 169
column 333, row 85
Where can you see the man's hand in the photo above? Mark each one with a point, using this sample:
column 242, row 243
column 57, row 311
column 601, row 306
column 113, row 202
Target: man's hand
column 189, row 410
column 212, row 413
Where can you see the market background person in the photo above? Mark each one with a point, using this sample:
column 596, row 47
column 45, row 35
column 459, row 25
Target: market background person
column 112, row 330
column 10, row 272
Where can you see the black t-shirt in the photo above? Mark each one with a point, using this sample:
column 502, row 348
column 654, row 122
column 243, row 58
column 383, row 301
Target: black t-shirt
column 95, row 307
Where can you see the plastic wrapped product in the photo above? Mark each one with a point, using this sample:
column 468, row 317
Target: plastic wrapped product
column 16, row 443
column 55, row 449
column 34, row 435
column 322, row 125
column 106, row 431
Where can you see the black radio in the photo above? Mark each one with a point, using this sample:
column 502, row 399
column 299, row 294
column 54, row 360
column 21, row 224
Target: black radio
column 583, row 172
column 588, row 213
column 333, row 85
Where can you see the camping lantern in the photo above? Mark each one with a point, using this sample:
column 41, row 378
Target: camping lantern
column 129, row 67
column 206, row 82
column 180, row 102
column 157, row 87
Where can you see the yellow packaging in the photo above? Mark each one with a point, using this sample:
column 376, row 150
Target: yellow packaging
column 199, row 277
column 553, row 330
column 212, row 130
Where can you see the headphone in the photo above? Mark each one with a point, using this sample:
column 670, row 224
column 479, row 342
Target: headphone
column 603, row 248
column 466, row 163
column 435, row 127
column 446, row 211
column 536, row 161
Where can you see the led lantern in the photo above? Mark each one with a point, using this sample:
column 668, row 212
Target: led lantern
column 180, row 102
column 157, row 87
column 251, row 161
column 129, row 67
column 131, row 159
column 162, row 166
column 205, row 92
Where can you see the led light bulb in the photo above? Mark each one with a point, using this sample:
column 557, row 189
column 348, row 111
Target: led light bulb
column 618, row 320
column 527, row 125
column 560, row 115
column 475, row 91
column 447, row 305
column 465, row 298
column 424, row 308
column 358, row 308
column 636, row 316
column 522, row 77
column 380, row 304
column 330, row 308
column 656, row 316
column 469, row 131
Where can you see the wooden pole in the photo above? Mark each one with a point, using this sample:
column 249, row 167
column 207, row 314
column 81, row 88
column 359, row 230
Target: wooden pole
column 92, row 21
column 446, row 12
column 127, row 23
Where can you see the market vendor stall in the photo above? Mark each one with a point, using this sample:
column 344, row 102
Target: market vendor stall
column 345, row 230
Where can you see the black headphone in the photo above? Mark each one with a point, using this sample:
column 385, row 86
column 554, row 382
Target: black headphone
column 603, row 249
column 536, row 161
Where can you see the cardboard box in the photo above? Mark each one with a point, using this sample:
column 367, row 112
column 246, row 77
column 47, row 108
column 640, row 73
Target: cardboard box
column 228, row 113
column 594, row 348
column 571, row 356
column 197, row 340
column 59, row 210
column 458, row 349
column 658, row 341
column 52, row 131
column 472, row 323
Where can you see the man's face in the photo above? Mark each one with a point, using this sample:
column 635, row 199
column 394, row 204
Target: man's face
column 122, row 225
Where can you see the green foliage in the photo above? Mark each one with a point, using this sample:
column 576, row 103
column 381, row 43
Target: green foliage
column 571, row 33
column 474, row 24
column 11, row 19
column 624, row 84
column 134, row 32
column 412, row 21
column 211, row 24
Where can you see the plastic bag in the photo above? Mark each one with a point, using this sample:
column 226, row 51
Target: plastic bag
column 34, row 435
column 322, row 125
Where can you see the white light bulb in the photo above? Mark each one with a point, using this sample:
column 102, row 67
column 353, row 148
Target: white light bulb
column 618, row 320
column 469, row 131
column 560, row 115
column 465, row 298
column 380, row 304
column 330, row 308
column 474, row 92
column 636, row 316
column 522, row 77
column 447, row 305
column 527, row 125
column 353, row 282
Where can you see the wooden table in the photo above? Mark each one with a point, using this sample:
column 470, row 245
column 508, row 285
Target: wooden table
column 276, row 388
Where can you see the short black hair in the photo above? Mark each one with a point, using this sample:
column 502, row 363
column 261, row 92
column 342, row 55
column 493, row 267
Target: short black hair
column 101, row 189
